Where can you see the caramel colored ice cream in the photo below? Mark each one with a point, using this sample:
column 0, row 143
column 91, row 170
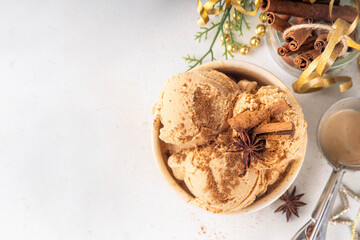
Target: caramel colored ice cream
column 217, row 178
column 277, row 154
column 194, row 109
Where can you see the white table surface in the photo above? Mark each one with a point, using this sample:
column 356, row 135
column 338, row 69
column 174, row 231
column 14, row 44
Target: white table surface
column 78, row 81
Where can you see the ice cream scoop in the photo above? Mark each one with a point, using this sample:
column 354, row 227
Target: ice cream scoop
column 316, row 227
column 219, row 179
column 194, row 107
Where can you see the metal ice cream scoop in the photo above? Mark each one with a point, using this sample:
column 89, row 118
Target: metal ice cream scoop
column 316, row 227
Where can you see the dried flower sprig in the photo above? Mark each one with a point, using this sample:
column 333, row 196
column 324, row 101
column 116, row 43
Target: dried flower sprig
column 236, row 25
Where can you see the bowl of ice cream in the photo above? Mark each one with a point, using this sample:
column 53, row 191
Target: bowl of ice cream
column 228, row 136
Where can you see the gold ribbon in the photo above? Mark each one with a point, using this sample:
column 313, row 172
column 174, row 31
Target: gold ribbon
column 331, row 4
column 314, row 77
column 207, row 9
column 355, row 223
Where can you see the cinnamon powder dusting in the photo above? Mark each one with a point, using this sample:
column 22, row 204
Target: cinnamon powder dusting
column 203, row 105
column 234, row 169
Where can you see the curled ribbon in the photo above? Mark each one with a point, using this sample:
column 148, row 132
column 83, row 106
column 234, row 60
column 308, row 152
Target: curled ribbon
column 314, row 77
column 207, row 9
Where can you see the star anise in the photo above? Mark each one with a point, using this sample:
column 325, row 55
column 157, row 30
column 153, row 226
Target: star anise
column 291, row 205
column 251, row 146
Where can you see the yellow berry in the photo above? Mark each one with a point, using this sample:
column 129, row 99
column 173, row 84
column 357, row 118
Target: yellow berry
column 260, row 29
column 255, row 42
column 244, row 50
column 262, row 17
column 227, row 38
column 229, row 48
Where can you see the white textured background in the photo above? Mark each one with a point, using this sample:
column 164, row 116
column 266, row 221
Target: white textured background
column 78, row 81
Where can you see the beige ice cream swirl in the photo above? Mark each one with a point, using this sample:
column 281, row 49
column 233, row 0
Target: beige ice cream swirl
column 195, row 107
column 216, row 177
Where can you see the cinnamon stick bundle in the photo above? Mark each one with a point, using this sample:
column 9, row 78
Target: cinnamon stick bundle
column 309, row 11
column 277, row 23
column 303, row 60
column 298, row 37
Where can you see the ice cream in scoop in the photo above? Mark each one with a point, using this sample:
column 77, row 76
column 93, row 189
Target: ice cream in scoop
column 195, row 107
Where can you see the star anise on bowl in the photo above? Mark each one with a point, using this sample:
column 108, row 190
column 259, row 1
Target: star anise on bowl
column 291, row 204
column 250, row 145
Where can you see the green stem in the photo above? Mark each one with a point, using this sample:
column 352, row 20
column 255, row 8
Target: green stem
column 227, row 12
column 241, row 23
column 225, row 43
column 205, row 32
column 226, row 52
column 230, row 32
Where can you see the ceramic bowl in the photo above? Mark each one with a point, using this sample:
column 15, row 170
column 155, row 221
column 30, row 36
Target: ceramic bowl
column 263, row 77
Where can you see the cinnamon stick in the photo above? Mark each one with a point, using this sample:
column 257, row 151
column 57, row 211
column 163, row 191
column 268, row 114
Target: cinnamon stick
column 285, row 51
column 336, row 2
column 300, row 20
column 284, row 17
column 288, row 60
column 278, row 128
column 277, row 23
column 320, row 42
column 276, row 136
column 303, row 60
column 250, row 119
column 309, row 11
column 298, row 37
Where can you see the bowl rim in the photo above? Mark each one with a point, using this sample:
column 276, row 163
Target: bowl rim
column 266, row 199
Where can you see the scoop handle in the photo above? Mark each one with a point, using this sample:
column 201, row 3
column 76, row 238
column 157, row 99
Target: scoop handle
column 321, row 213
column 323, row 208
column 301, row 234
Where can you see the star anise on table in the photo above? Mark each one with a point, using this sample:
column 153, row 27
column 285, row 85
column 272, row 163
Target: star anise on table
column 291, row 205
column 250, row 145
